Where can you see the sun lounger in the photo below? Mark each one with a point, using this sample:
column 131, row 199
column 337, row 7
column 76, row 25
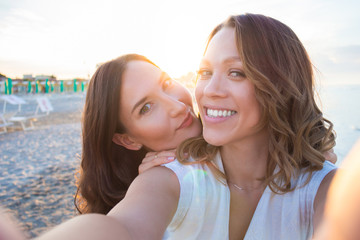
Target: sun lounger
column 26, row 120
column 14, row 100
column 44, row 105
column 4, row 124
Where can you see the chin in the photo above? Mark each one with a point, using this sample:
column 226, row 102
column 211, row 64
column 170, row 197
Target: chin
column 213, row 139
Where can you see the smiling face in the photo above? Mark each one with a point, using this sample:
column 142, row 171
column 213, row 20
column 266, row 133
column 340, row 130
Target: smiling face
column 156, row 111
column 226, row 97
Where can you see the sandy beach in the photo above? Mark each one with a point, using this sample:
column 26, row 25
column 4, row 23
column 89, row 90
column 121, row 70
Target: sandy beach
column 38, row 167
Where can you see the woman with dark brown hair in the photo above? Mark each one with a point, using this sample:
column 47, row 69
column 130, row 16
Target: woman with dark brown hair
column 113, row 148
column 258, row 172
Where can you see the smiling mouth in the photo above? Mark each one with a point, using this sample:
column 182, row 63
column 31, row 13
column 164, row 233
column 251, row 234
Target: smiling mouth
column 219, row 113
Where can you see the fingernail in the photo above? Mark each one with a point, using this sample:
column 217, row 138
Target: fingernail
column 171, row 158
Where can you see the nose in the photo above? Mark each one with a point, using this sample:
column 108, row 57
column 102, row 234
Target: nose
column 175, row 105
column 214, row 87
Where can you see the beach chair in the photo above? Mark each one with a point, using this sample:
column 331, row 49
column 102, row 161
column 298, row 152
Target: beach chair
column 14, row 100
column 12, row 115
column 44, row 105
column 4, row 124
column 26, row 120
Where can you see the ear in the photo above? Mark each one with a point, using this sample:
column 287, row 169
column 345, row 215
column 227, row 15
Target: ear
column 126, row 141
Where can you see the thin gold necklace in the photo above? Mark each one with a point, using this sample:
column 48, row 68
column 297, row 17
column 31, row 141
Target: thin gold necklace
column 240, row 188
column 244, row 189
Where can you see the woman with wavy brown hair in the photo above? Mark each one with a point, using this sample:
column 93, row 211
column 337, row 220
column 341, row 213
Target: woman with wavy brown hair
column 258, row 171
column 273, row 134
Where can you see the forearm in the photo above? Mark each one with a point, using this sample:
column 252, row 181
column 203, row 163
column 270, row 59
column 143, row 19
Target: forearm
column 88, row 226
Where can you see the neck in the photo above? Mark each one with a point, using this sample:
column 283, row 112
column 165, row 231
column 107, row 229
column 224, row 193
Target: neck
column 245, row 161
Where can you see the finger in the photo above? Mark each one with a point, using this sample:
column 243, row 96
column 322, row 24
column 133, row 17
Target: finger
column 169, row 153
column 158, row 160
column 162, row 153
column 151, row 155
column 155, row 162
column 330, row 156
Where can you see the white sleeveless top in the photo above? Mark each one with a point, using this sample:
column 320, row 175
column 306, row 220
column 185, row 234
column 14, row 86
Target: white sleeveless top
column 204, row 207
column 290, row 215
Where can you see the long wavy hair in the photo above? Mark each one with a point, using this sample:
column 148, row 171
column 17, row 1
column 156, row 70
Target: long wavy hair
column 107, row 169
column 276, row 62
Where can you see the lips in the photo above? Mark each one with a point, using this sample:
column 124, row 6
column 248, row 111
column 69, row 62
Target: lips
column 213, row 114
column 187, row 121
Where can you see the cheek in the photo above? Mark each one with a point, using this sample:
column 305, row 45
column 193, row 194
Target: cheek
column 199, row 92
column 253, row 108
column 152, row 132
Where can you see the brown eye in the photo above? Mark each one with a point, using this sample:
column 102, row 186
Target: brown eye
column 237, row 74
column 203, row 74
column 146, row 108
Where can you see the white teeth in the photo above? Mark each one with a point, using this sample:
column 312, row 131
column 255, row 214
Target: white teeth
column 219, row 113
column 215, row 113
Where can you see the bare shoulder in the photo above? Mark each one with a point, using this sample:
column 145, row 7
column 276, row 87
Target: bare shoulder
column 323, row 188
column 149, row 204
column 325, row 183
column 320, row 198
column 159, row 177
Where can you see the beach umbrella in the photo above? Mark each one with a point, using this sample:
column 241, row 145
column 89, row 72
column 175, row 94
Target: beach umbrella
column 46, row 85
column 75, row 88
column 82, row 86
column 52, row 86
column 6, row 86
column 9, row 86
column 29, row 87
column 61, row 85
column 36, row 86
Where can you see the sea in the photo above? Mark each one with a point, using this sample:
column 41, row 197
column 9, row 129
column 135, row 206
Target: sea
column 341, row 105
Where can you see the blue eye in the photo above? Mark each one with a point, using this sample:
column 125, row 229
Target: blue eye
column 146, row 108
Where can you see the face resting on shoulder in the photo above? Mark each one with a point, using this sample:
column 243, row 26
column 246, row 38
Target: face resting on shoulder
column 226, row 97
column 155, row 110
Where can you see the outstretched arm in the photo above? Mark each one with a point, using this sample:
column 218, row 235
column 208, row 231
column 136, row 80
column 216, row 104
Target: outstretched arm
column 88, row 226
column 144, row 213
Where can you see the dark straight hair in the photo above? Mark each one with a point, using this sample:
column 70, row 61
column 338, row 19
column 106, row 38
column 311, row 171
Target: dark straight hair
column 107, row 169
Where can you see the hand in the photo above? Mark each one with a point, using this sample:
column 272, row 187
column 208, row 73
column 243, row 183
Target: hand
column 153, row 159
column 331, row 156
column 9, row 230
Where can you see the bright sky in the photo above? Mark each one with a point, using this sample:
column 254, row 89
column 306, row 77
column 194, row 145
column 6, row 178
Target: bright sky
column 67, row 38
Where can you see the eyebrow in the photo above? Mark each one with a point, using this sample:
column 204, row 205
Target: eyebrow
column 232, row 59
column 226, row 61
column 144, row 99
